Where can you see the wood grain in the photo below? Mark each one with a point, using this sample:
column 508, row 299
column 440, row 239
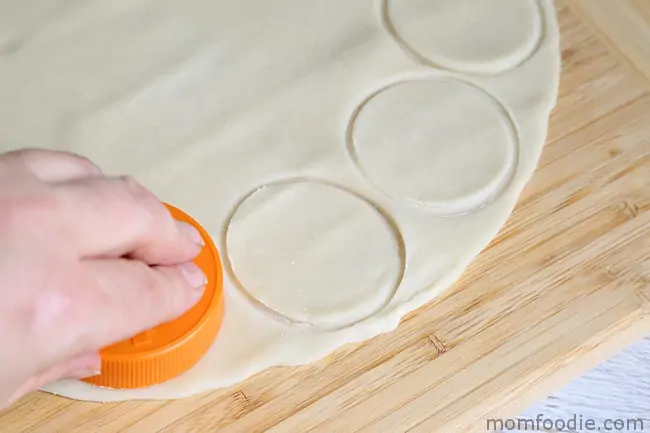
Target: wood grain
column 565, row 285
column 624, row 26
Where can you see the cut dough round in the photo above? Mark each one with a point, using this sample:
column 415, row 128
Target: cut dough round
column 482, row 36
column 313, row 253
column 440, row 143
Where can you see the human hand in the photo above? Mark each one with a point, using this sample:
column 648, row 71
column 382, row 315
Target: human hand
column 86, row 261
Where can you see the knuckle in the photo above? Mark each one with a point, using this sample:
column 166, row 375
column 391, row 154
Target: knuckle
column 157, row 288
column 59, row 303
column 170, row 292
column 85, row 161
column 143, row 294
column 21, row 212
column 151, row 281
column 133, row 187
column 144, row 200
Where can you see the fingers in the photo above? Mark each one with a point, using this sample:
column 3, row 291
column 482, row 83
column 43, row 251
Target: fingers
column 55, row 166
column 112, row 217
column 126, row 297
column 76, row 367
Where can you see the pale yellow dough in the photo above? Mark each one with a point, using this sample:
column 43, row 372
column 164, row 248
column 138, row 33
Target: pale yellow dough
column 349, row 158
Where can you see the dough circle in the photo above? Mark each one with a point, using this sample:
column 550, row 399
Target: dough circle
column 480, row 36
column 440, row 143
column 315, row 254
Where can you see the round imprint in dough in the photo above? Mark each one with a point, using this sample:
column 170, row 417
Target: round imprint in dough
column 440, row 143
column 312, row 253
column 481, row 36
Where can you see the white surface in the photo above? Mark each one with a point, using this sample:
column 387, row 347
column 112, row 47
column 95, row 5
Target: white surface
column 618, row 389
column 250, row 93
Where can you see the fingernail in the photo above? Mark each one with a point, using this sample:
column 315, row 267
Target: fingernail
column 191, row 232
column 193, row 274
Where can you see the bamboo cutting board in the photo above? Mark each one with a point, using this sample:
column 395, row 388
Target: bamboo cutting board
column 565, row 285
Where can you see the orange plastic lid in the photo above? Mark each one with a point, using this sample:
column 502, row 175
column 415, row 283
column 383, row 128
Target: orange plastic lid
column 170, row 349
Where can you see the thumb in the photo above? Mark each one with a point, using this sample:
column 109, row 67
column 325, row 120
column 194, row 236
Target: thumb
column 126, row 297
column 77, row 367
